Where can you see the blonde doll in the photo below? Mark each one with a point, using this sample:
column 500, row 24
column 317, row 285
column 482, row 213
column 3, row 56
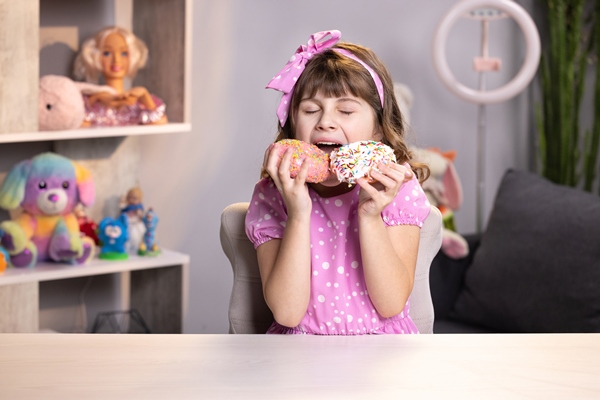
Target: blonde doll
column 114, row 54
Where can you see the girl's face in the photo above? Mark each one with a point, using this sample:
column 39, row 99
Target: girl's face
column 114, row 57
column 329, row 122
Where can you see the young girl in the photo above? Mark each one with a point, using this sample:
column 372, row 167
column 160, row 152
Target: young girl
column 336, row 259
column 115, row 54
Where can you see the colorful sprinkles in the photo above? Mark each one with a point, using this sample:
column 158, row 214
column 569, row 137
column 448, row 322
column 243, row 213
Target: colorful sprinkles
column 319, row 169
column 356, row 160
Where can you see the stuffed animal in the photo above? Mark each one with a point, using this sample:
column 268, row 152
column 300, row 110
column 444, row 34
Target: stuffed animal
column 46, row 188
column 149, row 247
column 444, row 190
column 61, row 104
column 113, row 237
column 4, row 256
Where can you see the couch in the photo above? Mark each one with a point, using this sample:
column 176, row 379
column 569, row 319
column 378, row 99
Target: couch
column 535, row 269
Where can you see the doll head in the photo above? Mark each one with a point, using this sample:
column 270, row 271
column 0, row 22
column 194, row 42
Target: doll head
column 91, row 62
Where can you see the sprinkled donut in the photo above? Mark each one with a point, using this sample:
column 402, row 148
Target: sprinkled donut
column 319, row 169
column 356, row 160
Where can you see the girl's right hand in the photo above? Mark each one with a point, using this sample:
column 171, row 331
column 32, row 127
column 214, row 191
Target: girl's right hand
column 293, row 190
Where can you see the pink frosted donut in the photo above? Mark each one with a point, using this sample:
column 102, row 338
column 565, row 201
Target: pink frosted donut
column 319, row 169
column 356, row 160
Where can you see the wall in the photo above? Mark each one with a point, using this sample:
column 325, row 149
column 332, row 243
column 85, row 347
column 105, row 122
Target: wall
column 238, row 45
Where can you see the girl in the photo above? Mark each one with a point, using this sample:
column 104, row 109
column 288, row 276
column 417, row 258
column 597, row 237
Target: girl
column 116, row 54
column 337, row 259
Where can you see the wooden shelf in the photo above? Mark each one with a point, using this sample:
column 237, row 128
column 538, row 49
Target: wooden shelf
column 47, row 271
column 91, row 133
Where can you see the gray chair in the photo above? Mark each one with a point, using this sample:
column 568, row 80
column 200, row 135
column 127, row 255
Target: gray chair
column 248, row 312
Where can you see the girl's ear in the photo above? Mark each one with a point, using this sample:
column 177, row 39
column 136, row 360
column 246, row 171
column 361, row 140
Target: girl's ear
column 12, row 191
column 85, row 185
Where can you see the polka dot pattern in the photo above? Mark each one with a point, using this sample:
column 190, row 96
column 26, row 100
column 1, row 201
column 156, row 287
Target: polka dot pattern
column 339, row 303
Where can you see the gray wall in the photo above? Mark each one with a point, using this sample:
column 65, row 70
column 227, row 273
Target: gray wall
column 238, row 45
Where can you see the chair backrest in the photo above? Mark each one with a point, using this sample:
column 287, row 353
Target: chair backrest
column 248, row 312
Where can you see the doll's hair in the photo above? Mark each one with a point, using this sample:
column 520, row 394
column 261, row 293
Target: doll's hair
column 87, row 64
column 334, row 74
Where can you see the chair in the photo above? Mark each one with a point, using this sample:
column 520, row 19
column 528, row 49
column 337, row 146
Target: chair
column 248, row 312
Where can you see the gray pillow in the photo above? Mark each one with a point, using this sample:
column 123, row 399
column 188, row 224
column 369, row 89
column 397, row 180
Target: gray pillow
column 538, row 266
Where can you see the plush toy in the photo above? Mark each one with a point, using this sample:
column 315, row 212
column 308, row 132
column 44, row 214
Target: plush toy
column 46, row 188
column 149, row 247
column 87, row 226
column 113, row 236
column 61, row 102
column 4, row 257
column 444, row 190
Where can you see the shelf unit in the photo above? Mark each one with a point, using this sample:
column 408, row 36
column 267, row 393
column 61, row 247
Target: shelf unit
column 155, row 286
column 94, row 133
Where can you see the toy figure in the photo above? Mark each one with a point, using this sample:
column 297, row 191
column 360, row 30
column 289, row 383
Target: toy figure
column 115, row 54
column 444, row 190
column 149, row 247
column 133, row 209
column 113, row 236
column 47, row 188
column 87, row 226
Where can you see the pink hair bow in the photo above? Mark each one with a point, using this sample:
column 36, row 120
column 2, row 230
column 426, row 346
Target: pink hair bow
column 285, row 80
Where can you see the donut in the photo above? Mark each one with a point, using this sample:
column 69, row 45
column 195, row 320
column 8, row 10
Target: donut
column 319, row 168
column 356, row 160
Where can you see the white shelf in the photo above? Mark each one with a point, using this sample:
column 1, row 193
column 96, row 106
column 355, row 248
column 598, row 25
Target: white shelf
column 46, row 271
column 91, row 133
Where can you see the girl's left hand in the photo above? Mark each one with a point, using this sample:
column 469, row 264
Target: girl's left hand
column 374, row 197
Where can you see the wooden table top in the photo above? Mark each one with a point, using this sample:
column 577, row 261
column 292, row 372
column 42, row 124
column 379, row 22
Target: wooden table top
column 476, row 366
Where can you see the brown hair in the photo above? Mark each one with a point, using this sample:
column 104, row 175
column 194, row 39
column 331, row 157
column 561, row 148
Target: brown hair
column 334, row 74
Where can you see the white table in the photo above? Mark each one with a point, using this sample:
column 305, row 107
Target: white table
column 477, row 366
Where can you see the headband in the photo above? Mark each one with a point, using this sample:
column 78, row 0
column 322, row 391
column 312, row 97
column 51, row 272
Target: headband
column 287, row 77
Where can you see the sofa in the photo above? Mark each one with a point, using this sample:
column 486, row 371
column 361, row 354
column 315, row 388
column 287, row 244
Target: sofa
column 535, row 268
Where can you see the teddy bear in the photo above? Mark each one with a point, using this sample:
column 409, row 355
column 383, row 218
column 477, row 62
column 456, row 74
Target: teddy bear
column 46, row 189
column 61, row 104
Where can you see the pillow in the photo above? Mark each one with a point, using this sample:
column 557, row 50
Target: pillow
column 538, row 266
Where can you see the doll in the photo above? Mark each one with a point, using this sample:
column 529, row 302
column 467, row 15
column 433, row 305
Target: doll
column 115, row 54
column 133, row 210
column 149, row 245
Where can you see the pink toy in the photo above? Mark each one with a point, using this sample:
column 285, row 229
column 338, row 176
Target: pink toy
column 47, row 188
column 444, row 190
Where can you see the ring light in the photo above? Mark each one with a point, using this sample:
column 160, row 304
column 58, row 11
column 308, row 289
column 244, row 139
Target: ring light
column 521, row 79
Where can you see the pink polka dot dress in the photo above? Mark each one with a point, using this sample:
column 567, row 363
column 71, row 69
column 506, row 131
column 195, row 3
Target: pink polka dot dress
column 339, row 301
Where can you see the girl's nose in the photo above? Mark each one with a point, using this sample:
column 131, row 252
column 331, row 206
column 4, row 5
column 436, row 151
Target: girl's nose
column 327, row 121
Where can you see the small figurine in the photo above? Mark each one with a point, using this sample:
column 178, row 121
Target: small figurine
column 87, row 226
column 113, row 236
column 149, row 247
column 115, row 54
column 133, row 209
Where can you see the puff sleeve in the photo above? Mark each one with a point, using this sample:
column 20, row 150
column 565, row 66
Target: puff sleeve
column 267, row 215
column 410, row 207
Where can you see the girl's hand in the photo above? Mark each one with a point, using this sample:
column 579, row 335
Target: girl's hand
column 374, row 197
column 293, row 190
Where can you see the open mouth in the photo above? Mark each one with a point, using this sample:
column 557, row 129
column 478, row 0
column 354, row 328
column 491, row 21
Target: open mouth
column 327, row 147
